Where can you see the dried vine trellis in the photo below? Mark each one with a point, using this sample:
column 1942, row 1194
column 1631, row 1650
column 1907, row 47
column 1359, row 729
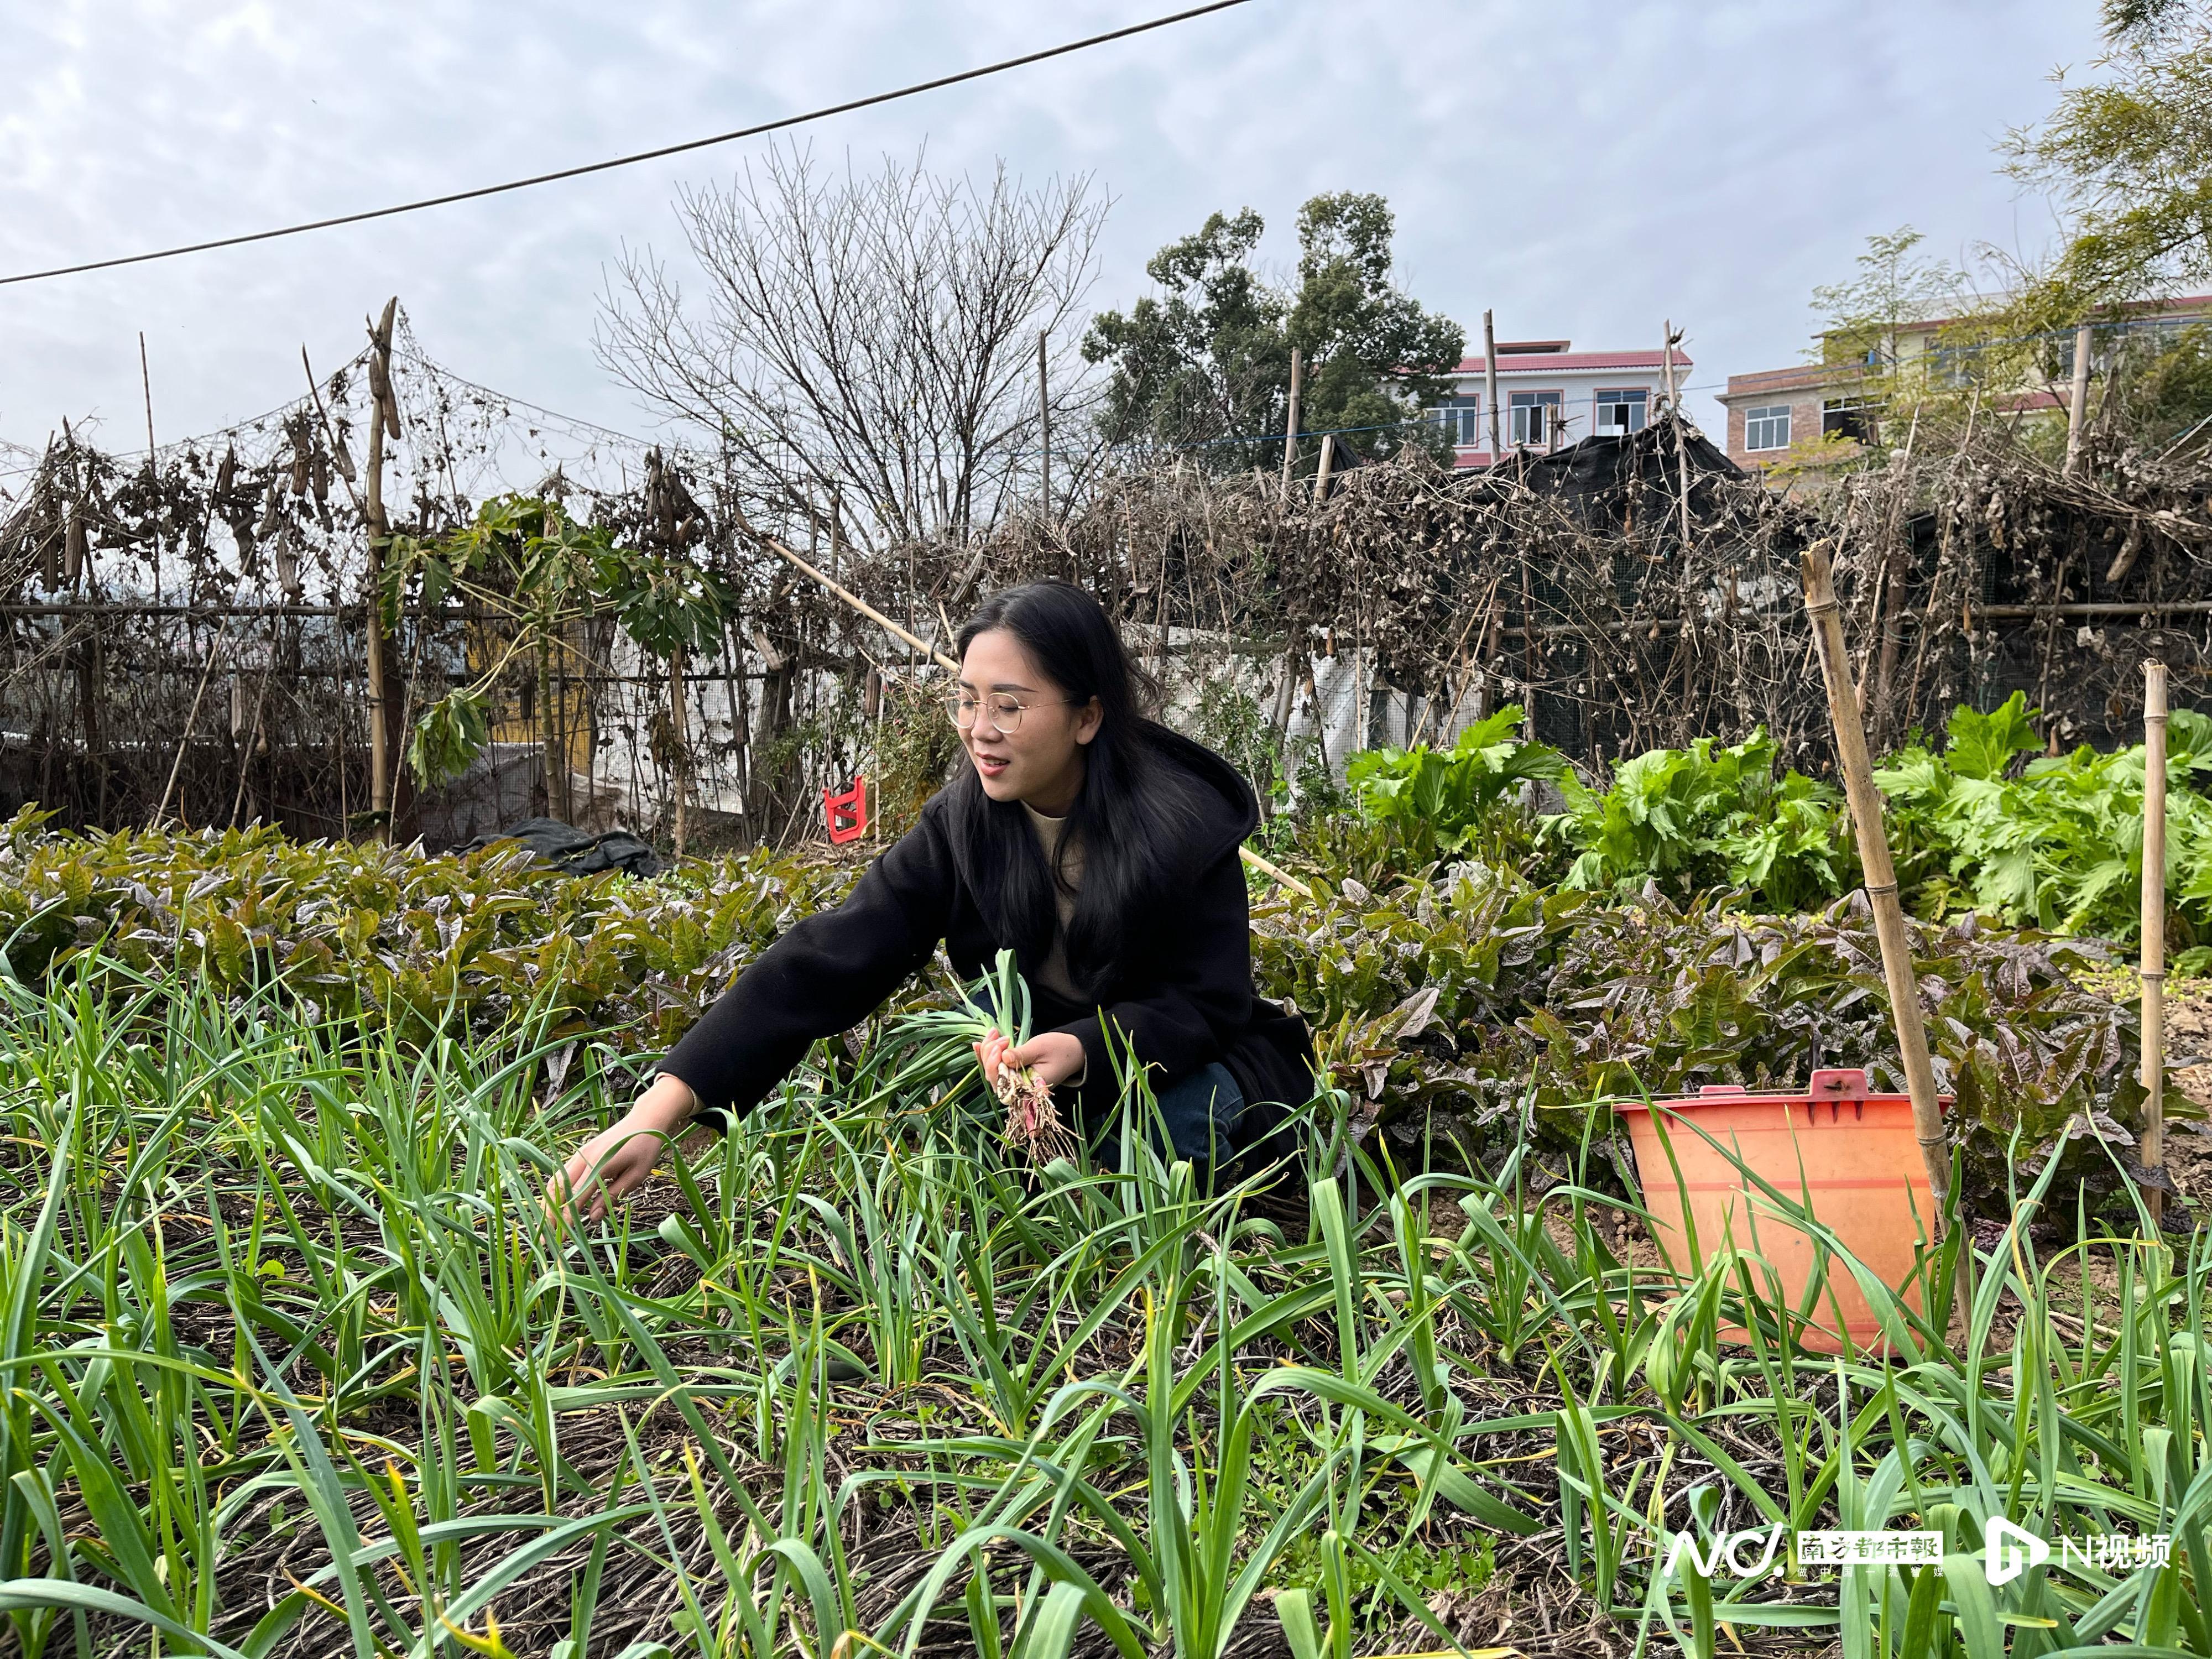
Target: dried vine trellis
column 189, row 627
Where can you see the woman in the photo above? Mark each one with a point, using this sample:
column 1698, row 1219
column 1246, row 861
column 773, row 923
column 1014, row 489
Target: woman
column 1099, row 846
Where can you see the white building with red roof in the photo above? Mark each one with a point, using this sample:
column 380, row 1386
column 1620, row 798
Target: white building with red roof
column 1550, row 395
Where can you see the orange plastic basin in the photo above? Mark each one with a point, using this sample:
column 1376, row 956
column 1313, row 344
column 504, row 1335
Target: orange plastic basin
column 1848, row 1154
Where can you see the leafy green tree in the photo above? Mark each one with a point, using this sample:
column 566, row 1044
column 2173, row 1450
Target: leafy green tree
column 1860, row 319
column 1209, row 359
column 2131, row 155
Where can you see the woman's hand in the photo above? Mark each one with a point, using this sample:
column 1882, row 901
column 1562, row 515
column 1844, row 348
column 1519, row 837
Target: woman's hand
column 615, row 1161
column 1056, row 1056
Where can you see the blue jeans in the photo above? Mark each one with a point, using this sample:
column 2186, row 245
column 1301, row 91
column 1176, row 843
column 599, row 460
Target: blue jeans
column 1201, row 1112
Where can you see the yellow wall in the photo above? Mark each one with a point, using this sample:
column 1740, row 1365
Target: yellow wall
column 571, row 710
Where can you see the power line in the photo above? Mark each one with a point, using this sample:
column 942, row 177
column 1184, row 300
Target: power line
column 756, row 132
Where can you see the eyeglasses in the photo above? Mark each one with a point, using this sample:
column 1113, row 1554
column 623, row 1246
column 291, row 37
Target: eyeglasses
column 1005, row 711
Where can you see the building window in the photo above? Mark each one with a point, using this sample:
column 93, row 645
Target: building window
column 1535, row 416
column 1766, row 428
column 1846, row 417
column 1620, row 412
column 1460, row 421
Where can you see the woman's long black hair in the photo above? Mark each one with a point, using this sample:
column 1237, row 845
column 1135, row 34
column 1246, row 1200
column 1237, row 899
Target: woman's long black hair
column 1136, row 808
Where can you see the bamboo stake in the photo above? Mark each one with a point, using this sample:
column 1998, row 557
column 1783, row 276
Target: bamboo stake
column 2077, row 406
column 1291, row 425
column 191, row 719
column 679, row 722
column 857, row 602
column 2154, row 932
column 1880, row 877
column 153, row 466
column 1282, row 878
column 379, row 735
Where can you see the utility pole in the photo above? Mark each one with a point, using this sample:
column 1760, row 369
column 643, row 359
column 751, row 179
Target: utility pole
column 383, row 419
column 1291, row 425
column 1490, row 383
column 1044, row 428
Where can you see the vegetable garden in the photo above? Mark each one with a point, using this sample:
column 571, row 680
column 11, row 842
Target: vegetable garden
column 300, row 1365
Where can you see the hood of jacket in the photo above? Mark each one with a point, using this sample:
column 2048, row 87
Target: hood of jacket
column 1230, row 810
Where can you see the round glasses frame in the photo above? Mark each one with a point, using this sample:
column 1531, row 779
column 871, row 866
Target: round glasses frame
column 1005, row 713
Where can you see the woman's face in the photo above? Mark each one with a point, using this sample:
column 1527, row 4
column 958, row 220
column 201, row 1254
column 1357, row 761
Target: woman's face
column 1040, row 761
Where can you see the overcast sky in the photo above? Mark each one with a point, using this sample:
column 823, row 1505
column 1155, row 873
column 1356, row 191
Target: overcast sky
column 1587, row 169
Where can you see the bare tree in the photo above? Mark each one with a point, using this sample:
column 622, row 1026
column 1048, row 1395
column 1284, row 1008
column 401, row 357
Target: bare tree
column 866, row 349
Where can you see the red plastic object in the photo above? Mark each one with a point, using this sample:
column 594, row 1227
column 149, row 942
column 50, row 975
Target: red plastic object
column 846, row 812
column 1840, row 1150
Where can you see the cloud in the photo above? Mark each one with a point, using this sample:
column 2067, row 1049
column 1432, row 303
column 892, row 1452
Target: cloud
column 1584, row 169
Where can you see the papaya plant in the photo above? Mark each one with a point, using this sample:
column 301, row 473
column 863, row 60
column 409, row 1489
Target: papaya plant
column 533, row 572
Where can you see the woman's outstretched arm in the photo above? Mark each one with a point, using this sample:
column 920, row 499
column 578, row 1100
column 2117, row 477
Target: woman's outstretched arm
column 827, row 973
column 615, row 1161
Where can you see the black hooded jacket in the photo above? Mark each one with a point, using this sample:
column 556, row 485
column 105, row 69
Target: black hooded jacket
column 1181, row 997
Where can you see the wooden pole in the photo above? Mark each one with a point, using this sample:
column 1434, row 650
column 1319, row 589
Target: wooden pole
column 679, row 738
column 2154, row 931
column 1286, row 694
column 1490, row 383
column 1291, row 425
column 1674, row 410
column 2077, row 406
column 1880, row 876
column 1044, row 428
column 146, row 382
column 153, row 467
column 381, row 406
column 1896, row 568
